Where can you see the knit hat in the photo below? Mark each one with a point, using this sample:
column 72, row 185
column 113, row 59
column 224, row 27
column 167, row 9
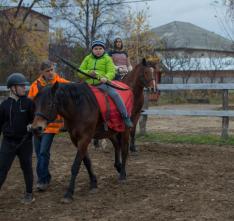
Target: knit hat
column 98, row 43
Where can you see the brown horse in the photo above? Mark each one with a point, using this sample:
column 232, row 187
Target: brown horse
column 78, row 106
column 137, row 81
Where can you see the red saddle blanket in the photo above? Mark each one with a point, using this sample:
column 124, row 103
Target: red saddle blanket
column 114, row 120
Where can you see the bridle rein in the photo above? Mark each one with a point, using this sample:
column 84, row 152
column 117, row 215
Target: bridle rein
column 52, row 106
column 145, row 82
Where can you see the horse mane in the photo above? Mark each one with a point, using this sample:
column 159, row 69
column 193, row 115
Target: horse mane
column 77, row 92
column 132, row 76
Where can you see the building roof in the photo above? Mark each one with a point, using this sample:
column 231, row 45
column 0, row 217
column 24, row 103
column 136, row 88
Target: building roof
column 199, row 64
column 185, row 35
column 24, row 8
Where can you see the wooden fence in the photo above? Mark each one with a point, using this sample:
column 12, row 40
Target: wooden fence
column 225, row 113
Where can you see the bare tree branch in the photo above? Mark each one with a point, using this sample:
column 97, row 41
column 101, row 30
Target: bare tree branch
column 91, row 16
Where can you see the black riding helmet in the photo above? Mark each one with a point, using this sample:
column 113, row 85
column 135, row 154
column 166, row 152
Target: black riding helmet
column 16, row 79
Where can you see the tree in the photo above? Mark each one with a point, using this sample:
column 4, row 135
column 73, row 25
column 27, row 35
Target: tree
column 225, row 16
column 140, row 41
column 230, row 7
column 60, row 45
column 16, row 54
column 86, row 20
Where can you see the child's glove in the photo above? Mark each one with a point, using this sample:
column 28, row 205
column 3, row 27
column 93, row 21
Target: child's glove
column 122, row 70
column 103, row 79
column 29, row 127
column 93, row 74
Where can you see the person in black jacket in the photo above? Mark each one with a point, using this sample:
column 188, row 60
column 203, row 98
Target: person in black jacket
column 16, row 113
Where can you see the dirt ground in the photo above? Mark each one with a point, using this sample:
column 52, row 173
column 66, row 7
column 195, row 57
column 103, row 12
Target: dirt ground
column 165, row 182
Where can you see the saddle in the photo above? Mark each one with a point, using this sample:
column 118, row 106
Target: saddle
column 110, row 114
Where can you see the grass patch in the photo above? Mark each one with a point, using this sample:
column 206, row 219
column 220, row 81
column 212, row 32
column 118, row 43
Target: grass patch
column 185, row 138
column 63, row 135
column 178, row 138
column 178, row 97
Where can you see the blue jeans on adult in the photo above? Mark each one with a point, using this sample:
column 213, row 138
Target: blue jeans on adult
column 42, row 148
column 116, row 98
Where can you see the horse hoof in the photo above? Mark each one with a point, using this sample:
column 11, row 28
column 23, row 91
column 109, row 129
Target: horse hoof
column 134, row 153
column 133, row 149
column 66, row 200
column 93, row 190
column 122, row 179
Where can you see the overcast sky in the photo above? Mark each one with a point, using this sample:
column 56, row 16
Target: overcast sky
column 202, row 13
column 199, row 12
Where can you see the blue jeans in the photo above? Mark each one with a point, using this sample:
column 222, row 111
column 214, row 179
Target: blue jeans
column 116, row 98
column 42, row 148
column 118, row 77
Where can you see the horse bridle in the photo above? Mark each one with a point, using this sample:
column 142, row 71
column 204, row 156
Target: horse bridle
column 144, row 81
column 40, row 114
column 51, row 107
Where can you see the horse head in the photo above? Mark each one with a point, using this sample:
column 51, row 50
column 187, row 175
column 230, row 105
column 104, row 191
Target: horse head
column 148, row 77
column 45, row 108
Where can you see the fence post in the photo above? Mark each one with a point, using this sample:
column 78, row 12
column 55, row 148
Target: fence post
column 143, row 118
column 225, row 120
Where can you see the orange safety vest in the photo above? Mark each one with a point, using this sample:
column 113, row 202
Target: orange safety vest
column 55, row 126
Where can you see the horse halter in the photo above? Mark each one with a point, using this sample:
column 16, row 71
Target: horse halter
column 145, row 81
column 48, row 119
column 40, row 114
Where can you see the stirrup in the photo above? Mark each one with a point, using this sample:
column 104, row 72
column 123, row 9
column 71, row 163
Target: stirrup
column 105, row 126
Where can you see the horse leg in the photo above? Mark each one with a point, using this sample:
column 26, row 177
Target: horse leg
column 117, row 164
column 96, row 143
column 99, row 143
column 132, row 139
column 116, row 143
column 92, row 176
column 124, row 154
column 81, row 152
column 68, row 196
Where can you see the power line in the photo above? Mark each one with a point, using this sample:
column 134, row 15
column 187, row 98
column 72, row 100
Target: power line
column 76, row 6
column 129, row 2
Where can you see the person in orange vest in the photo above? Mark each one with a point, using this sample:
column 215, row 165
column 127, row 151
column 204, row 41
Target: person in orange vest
column 43, row 143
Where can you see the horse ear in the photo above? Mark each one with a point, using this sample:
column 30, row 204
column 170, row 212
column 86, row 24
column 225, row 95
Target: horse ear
column 54, row 87
column 144, row 62
column 39, row 86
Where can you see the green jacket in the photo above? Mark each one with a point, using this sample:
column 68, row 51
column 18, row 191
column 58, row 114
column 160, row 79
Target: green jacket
column 103, row 66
